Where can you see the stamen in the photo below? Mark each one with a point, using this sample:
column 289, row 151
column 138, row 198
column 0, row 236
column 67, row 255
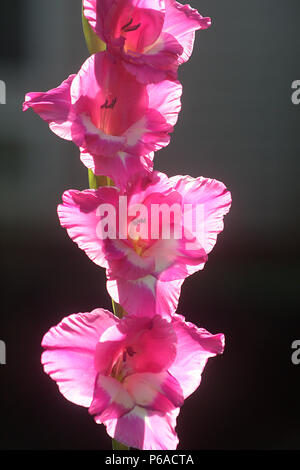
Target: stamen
column 105, row 104
column 127, row 24
column 111, row 105
column 127, row 28
column 133, row 28
column 117, row 370
column 130, row 351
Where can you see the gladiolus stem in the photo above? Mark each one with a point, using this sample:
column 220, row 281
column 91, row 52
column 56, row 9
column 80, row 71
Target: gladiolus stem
column 94, row 183
column 94, row 45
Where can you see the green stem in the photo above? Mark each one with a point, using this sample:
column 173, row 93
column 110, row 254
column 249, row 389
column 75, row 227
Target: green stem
column 96, row 182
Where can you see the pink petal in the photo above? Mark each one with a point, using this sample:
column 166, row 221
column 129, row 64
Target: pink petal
column 111, row 400
column 159, row 63
column 101, row 78
column 152, row 342
column 131, row 265
column 152, row 131
column 120, row 168
column 109, row 348
column 181, row 21
column 142, row 187
column 173, row 261
column 148, row 14
column 78, row 214
column 107, row 19
column 115, row 120
column 147, row 430
column 165, row 98
column 194, row 347
column 136, row 297
column 102, row 94
column 69, row 353
column 157, row 392
column 168, row 294
column 160, row 37
column 54, row 107
column 121, row 126
column 146, row 296
column 214, row 200
column 147, row 73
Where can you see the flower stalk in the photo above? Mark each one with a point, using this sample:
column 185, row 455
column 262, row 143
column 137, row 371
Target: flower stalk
column 133, row 368
column 94, row 44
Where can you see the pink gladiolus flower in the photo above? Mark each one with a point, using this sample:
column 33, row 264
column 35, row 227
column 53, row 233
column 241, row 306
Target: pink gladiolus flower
column 149, row 238
column 133, row 374
column 153, row 37
column 109, row 114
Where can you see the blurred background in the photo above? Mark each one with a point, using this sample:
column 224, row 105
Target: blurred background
column 239, row 125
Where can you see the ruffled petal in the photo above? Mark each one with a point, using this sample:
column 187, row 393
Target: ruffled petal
column 111, row 400
column 152, row 343
column 78, row 215
column 145, row 429
column 207, row 202
column 194, row 347
column 157, row 392
column 120, row 168
column 54, row 107
column 146, row 296
column 69, row 353
column 181, row 21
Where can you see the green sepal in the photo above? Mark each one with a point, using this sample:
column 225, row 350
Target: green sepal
column 118, row 445
column 93, row 42
column 118, row 310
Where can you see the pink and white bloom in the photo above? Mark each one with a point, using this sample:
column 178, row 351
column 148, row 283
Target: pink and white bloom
column 153, row 37
column 133, row 374
column 149, row 238
column 106, row 112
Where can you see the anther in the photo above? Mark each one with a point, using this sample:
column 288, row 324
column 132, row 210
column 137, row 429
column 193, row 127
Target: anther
column 130, row 351
column 106, row 105
column 127, row 24
column 127, row 27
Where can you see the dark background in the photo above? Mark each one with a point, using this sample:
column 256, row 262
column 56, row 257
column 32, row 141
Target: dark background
column 238, row 125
